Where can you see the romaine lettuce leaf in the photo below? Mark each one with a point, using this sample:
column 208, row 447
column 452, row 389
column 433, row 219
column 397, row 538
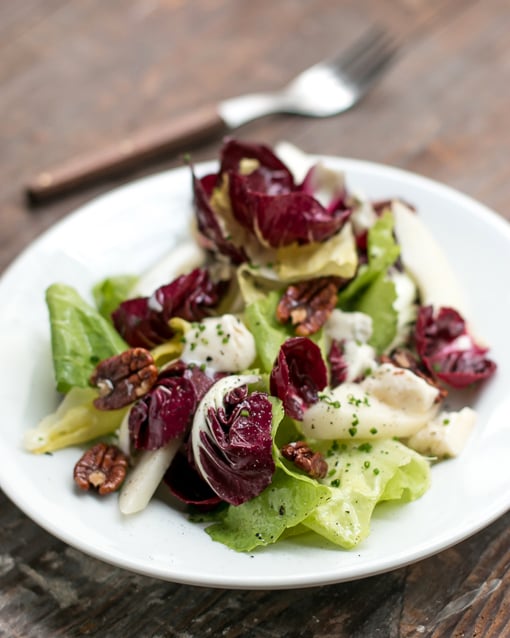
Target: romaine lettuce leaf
column 110, row 292
column 372, row 291
column 361, row 475
column 378, row 302
column 269, row 334
column 80, row 337
column 382, row 252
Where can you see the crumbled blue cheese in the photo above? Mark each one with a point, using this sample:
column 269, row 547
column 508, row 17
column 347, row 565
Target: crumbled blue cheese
column 363, row 216
column 348, row 325
column 359, row 358
column 352, row 330
column 405, row 305
column 221, row 344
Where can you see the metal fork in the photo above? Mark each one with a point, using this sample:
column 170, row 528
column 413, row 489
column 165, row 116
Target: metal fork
column 325, row 89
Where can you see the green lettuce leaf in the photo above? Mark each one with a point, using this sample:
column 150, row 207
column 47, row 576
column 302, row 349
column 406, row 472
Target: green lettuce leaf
column 362, row 474
column 378, row 301
column 269, row 334
column 110, row 292
column 80, row 337
column 382, row 251
column 372, row 291
column 338, row 507
column 261, row 521
column 334, row 257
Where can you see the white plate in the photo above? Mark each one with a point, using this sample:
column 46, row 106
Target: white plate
column 129, row 229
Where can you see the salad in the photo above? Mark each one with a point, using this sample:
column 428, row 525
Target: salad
column 301, row 368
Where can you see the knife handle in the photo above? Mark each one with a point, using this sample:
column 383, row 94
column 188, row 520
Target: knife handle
column 129, row 153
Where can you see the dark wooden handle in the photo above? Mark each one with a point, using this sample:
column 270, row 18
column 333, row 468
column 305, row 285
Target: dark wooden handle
column 128, row 154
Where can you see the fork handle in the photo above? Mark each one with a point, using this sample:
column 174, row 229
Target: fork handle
column 129, row 153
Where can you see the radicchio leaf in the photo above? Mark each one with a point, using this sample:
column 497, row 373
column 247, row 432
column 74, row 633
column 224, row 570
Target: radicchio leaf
column 447, row 349
column 231, row 440
column 166, row 412
column 208, row 223
column 265, row 201
column 143, row 322
column 318, row 175
column 163, row 414
column 337, row 364
column 186, row 484
column 298, row 375
column 283, row 219
column 271, row 175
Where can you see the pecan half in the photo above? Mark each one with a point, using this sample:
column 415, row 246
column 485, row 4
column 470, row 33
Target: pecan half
column 103, row 467
column 308, row 304
column 123, row 378
column 305, row 459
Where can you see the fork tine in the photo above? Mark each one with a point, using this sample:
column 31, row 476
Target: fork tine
column 367, row 79
column 366, row 58
column 360, row 46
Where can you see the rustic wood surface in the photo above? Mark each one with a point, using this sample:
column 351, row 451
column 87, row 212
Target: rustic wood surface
column 74, row 75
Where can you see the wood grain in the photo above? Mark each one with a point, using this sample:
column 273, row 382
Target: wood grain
column 178, row 135
column 75, row 76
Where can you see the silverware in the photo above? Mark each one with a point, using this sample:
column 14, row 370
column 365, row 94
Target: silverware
column 325, row 89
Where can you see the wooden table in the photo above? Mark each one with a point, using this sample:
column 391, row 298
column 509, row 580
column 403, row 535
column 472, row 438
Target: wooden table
column 75, row 75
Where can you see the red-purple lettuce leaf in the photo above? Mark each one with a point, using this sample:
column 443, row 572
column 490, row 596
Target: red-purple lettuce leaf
column 271, row 175
column 265, row 201
column 143, row 322
column 298, row 375
column 447, row 349
column 312, row 183
column 232, row 444
column 338, row 367
column 186, row 484
column 166, row 412
column 283, row 219
column 212, row 235
column 139, row 325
